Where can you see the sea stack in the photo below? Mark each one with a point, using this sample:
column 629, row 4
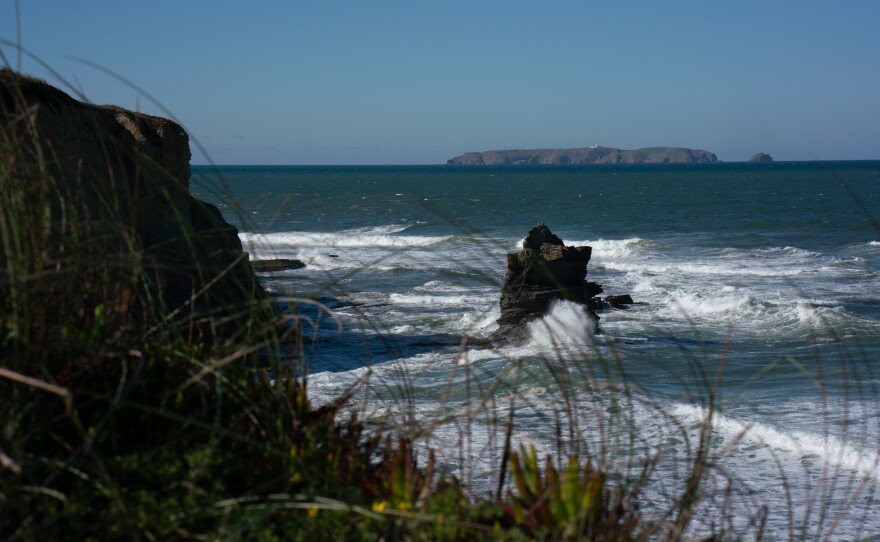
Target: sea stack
column 544, row 271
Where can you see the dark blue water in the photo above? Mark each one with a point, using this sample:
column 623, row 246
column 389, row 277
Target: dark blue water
column 784, row 201
column 761, row 285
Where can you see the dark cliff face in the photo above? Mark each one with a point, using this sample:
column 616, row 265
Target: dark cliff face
column 586, row 155
column 127, row 175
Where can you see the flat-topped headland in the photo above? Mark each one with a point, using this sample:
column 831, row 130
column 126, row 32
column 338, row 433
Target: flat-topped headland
column 585, row 155
column 122, row 179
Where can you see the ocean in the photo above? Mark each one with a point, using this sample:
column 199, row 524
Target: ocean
column 759, row 292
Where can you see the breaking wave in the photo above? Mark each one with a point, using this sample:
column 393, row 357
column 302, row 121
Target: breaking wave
column 567, row 324
column 825, row 450
column 354, row 238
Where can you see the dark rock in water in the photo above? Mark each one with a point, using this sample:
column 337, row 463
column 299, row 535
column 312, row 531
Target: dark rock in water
column 280, row 264
column 624, row 301
column 761, row 157
column 543, row 272
column 618, row 301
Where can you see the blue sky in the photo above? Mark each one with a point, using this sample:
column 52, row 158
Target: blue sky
column 413, row 82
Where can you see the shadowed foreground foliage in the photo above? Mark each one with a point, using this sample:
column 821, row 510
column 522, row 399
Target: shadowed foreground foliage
column 128, row 415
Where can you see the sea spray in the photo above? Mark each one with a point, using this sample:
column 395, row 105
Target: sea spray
column 567, row 324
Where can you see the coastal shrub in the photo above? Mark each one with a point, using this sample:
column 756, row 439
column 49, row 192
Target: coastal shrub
column 568, row 502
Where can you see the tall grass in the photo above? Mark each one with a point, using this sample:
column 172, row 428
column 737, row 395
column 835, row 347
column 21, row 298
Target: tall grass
column 129, row 415
column 126, row 415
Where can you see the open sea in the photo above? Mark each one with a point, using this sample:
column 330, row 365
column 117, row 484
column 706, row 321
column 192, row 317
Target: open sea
column 760, row 292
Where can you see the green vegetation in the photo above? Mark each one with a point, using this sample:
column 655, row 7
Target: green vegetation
column 126, row 416
column 116, row 424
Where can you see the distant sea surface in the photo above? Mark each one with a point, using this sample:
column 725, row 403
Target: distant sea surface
column 761, row 292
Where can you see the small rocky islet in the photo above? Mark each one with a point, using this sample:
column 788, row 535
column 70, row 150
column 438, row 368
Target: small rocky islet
column 542, row 273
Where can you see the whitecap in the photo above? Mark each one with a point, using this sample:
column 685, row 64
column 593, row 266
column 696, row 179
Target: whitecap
column 613, row 249
column 346, row 239
column 414, row 299
column 696, row 305
column 705, row 268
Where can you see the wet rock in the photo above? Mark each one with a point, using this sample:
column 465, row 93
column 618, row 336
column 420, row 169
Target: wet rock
column 618, row 301
column 273, row 266
column 544, row 271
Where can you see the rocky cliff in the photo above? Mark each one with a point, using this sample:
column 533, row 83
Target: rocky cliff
column 126, row 177
column 585, row 155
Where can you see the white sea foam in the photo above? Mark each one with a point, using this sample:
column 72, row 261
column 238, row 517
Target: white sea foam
column 613, row 249
column 706, row 268
column 402, row 330
column 479, row 323
column 359, row 237
column 380, row 230
column 696, row 305
column 443, row 287
column 567, row 324
column 772, row 314
column 438, row 286
column 830, row 450
column 467, row 300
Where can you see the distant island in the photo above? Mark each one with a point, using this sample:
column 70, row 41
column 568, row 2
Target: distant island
column 585, row 155
column 761, row 157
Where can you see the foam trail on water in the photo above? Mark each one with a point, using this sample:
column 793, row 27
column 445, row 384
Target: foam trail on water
column 831, row 450
column 612, row 249
column 346, row 238
column 707, row 268
column 465, row 300
column 692, row 305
